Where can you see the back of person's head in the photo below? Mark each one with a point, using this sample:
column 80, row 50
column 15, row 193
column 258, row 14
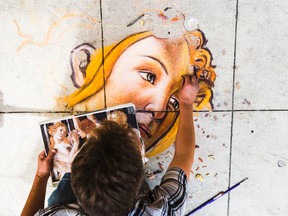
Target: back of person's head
column 108, row 171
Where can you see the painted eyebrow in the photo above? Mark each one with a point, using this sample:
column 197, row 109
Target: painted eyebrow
column 157, row 60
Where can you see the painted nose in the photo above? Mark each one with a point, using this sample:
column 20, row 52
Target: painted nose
column 158, row 107
column 159, row 114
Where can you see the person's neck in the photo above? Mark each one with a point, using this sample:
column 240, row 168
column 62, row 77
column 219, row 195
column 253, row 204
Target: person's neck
column 57, row 141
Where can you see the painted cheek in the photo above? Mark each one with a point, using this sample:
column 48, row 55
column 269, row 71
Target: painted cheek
column 143, row 98
column 161, row 97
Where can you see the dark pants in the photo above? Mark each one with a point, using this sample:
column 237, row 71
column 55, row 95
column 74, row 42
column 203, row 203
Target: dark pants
column 63, row 194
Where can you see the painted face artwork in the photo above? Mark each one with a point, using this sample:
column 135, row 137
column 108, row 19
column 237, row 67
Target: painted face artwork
column 146, row 71
column 143, row 68
column 84, row 127
column 148, row 74
column 60, row 133
column 81, row 134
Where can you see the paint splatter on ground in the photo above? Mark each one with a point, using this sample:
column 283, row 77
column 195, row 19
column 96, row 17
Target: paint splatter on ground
column 157, row 172
column 162, row 16
column 199, row 176
column 246, row 102
column 281, row 163
column 152, row 175
column 161, row 166
column 211, row 157
column 237, row 85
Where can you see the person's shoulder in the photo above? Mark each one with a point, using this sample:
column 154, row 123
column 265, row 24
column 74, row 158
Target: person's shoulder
column 173, row 184
column 165, row 199
column 62, row 210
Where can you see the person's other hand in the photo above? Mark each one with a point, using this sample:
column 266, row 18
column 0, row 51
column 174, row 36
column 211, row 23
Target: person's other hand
column 73, row 135
column 188, row 90
column 45, row 164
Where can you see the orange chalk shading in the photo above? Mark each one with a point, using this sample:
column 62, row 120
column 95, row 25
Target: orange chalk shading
column 174, row 19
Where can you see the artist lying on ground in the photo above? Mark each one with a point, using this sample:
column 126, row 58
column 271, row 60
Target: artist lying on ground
column 108, row 171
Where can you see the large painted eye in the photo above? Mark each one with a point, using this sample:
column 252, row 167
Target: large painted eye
column 148, row 76
column 174, row 103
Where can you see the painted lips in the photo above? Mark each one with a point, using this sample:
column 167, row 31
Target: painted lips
column 145, row 131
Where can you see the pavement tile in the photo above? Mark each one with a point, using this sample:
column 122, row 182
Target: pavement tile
column 261, row 68
column 259, row 146
column 21, row 143
column 36, row 40
column 211, row 161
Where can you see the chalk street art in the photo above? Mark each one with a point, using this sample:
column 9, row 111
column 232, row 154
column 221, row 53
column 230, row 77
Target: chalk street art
column 145, row 68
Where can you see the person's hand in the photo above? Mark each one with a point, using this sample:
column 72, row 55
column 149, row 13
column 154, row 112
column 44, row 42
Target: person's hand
column 188, row 90
column 73, row 136
column 45, row 164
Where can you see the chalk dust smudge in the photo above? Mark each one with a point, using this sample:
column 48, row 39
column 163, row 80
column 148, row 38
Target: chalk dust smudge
column 28, row 39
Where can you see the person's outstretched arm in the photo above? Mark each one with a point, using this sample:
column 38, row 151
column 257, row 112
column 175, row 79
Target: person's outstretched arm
column 36, row 198
column 185, row 138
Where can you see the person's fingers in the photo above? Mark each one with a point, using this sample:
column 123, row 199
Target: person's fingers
column 194, row 81
column 187, row 78
column 191, row 69
column 51, row 154
column 42, row 155
column 182, row 81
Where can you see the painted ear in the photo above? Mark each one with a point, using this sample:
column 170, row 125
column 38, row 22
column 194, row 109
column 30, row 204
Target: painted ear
column 79, row 60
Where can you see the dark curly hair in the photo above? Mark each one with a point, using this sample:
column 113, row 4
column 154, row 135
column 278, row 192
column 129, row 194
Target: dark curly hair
column 108, row 171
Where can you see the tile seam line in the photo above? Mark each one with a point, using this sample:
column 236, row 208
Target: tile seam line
column 232, row 106
column 102, row 50
column 34, row 112
column 201, row 111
